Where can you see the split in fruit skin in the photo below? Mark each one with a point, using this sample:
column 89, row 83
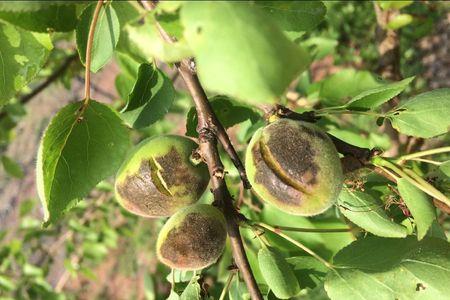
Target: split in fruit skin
column 159, row 177
column 294, row 166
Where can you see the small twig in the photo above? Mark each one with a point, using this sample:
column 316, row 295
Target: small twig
column 424, row 153
column 296, row 243
column 281, row 111
column 90, row 41
column 428, row 161
column 227, row 286
column 215, row 124
column 312, row 230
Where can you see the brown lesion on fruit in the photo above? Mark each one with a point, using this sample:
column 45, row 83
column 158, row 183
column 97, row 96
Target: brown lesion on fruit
column 176, row 173
column 182, row 246
column 314, row 133
column 291, row 154
column 157, row 181
column 265, row 176
column 141, row 188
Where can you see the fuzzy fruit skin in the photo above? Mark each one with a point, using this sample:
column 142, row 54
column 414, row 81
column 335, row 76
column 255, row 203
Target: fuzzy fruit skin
column 294, row 166
column 193, row 238
column 158, row 178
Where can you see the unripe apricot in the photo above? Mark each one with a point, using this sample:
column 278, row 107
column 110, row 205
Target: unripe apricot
column 159, row 177
column 294, row 166
column 193, row 238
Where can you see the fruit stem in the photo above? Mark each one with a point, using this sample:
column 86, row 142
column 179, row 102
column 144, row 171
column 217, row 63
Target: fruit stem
column 227, row 286
column 321, row 113
column 296, row 243
column 312, row 230
column 90, row 42
column 429, row 161
column 423, row 153
column 412, row 178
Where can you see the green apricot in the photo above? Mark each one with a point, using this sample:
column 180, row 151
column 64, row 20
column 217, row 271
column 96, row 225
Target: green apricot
column 294, row 166
column 193, row 238
column 159, row 178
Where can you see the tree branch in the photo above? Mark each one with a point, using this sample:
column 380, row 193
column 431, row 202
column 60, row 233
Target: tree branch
column 210, row 129
column 215, row 124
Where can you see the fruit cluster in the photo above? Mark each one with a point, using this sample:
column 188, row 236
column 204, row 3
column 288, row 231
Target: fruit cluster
column 161, row 179
column 291, row 165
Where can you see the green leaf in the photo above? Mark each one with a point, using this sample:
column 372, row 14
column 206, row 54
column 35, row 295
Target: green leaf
column 11, row 167
column 106, row 35
column 31, row 270
column 366, row 212
column 226, row 110
column 400, row 21
column 49, row 18
column 379, row 268
column 127, row 11
column 173, row 295
column 94, row 250
column 234, row 58
column 192, row 290
column 445, row 168
column 319, row 47
column 424, row 115
column 22, row 55
column 143, row 42
column 375, row 97
column 149, row 287
column 347, row 83
column 278, row 274
column 419, row 204
column 294, row 16
column 76, row 153
column 394, row 4
column 150, row 99
column 7, row 283
column 28, row 6
column 171, row 23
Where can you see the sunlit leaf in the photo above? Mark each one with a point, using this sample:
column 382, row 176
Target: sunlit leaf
column 425, row 115
column 235, row 59
column 106, row 35
column 368, row 213
column 23, row 54
column 419, row 204
column 380, row 268
column 77, row 152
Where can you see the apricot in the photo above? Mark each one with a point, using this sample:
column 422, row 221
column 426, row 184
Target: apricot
column 294, row 166
column 193, row 238
column 160, row 177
